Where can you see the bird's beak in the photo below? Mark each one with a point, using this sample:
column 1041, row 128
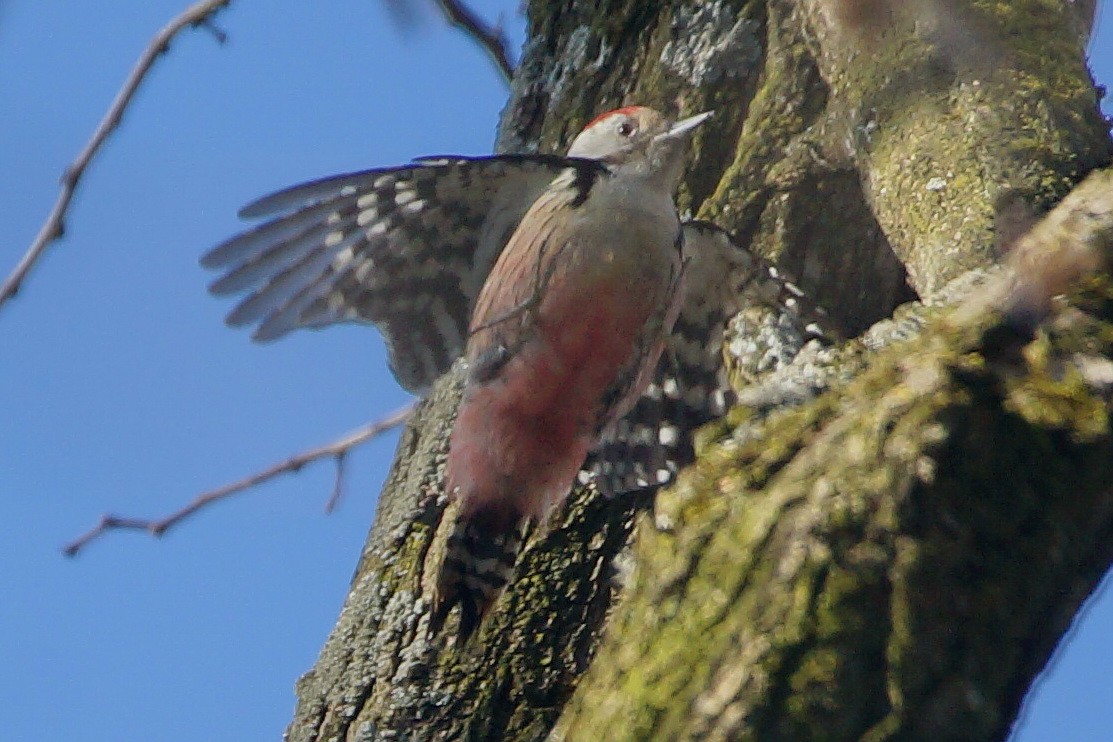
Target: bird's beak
column 684, row 126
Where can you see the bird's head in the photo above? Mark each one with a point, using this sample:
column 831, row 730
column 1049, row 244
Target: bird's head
column 639, row 138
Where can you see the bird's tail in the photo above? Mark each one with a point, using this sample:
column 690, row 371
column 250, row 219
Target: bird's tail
column 478, row 563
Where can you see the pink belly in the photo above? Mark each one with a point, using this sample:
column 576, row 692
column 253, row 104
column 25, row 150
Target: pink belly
column 519, row 439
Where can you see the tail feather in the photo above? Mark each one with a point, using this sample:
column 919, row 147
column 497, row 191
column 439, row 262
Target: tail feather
column 478, row 563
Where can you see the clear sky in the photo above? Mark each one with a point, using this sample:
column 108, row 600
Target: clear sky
column 121, row 390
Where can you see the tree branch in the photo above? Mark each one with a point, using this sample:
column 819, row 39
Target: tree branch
column 892, row 560
column 491, row 38
column 198, row 15
column 336, row 450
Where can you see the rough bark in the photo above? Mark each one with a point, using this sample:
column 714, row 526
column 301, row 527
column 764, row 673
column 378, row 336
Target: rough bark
column 894, row 559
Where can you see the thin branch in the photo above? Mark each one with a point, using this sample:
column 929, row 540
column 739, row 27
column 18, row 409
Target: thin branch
column 197, row 15
column 492, row 38
column 336, row 450
column 338, row 483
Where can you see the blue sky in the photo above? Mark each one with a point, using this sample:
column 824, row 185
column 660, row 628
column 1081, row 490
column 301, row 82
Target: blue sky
column 121, row 390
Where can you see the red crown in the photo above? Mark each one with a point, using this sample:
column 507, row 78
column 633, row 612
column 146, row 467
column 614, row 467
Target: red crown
column 625, row 110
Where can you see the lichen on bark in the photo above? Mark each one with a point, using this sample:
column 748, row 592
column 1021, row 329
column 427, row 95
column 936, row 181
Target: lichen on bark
column 893, row 559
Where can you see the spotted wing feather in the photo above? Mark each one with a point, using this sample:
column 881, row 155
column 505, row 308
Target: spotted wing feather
column 405, row 248
column 653, row 441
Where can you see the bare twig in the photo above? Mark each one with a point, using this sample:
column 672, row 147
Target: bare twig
column 491, row 38
column 218, row 33
column 198, row 15
column 338, row 483
column 336, row 450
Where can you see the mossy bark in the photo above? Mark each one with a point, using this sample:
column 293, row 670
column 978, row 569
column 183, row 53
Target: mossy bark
column 893, row 560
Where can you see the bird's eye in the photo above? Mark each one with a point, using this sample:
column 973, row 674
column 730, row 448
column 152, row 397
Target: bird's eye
column 626, row 128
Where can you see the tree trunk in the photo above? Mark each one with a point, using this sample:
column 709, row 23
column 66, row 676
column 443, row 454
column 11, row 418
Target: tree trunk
column 893, row 559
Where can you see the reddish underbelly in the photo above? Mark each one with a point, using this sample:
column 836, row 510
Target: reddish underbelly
column 581, row 347
column 525, row 434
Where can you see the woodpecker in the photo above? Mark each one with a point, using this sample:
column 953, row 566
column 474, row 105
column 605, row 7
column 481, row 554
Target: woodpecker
column 590, row 316
column 564, row 337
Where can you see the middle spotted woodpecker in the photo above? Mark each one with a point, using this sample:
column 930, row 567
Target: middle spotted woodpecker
column 590, row 315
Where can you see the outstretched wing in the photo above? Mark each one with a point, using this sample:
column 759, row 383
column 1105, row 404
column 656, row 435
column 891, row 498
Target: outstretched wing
column 654, row 440
column 404, row 248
